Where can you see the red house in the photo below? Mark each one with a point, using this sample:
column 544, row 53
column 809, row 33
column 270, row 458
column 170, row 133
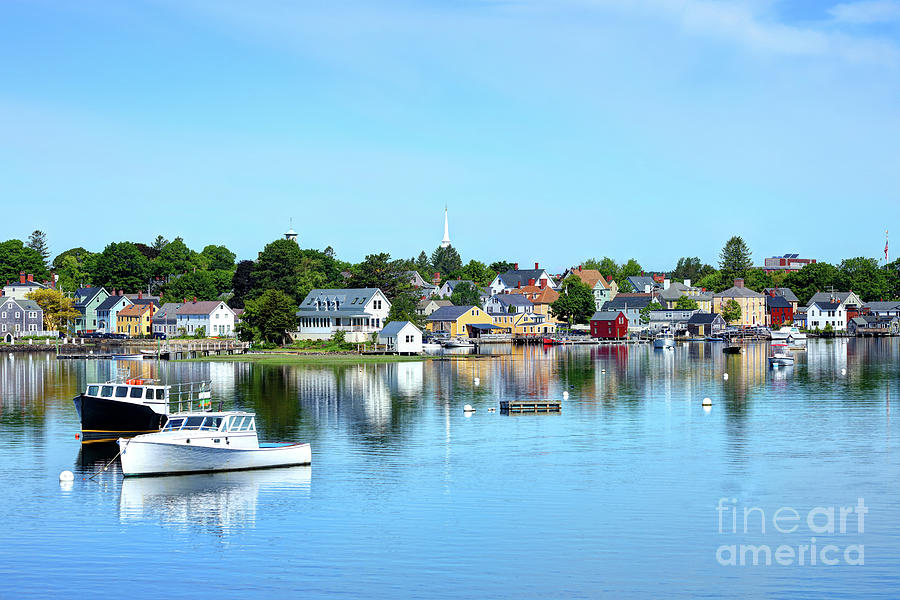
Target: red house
column 609, row 325
column 779, row 310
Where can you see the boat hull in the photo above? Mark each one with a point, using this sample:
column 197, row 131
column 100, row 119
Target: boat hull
column 663, row 343
column 106, row 419
column 146, row 458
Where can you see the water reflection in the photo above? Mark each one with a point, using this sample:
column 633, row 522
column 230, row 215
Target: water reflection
column 217, row 503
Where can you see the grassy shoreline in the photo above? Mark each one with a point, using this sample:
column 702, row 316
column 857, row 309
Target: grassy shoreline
column 310, row 358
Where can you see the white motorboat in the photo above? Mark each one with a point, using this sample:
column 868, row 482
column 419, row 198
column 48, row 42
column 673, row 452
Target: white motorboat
column 664, row 340
column 458, row 343
column 205, row 442
column 788, row 332
column 431, row 347
column 780, row 356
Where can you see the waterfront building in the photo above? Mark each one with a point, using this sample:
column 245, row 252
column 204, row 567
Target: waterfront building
column 786, row 293
column 136, row 320
column 753, row 304
column 631, row 305
column 357, row 312
column 165, row 321
column 674, row 290
column 87, row 299
column 522, row 324
column 850, row 301
column 821, row 314
column 401, row 337
column 670, row 318
column 541, row 298
column 455, row 320
column 609, row 325
column 19, row 318
column 426, row 307
column 882, row 309
column 787, row 263
column 778, row 310
column 20, row 289
column 108, row 311
column 520, row 277
column 705, row 324
column 216, row 318
column 508, row 303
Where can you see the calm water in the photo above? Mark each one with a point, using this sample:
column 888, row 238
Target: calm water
column 407, row 497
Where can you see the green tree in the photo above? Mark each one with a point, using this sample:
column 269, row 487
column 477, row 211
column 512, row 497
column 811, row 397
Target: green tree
column 713, row 282
column 446, row 260
column 200, row 332
column 758, row 280
column 423, row 266
column 269, row 317
column 218, row 258
column 277, row 268
column 735, row 259
column 175, row 258
column 690, row 267
column 403, row 308
column 465, row 294
column 864, row 276
column 58, row 309
column 575, row 303
column 73, row 268
column 122, row 266
column 240, row 283
column 379, row 271
column 37, row 241
column 501, row 266
column 812, row 278
column 731, row 312
column 158, row 244
column 645, row 314
column 16, row 257
column 631, row 268
column 203, row 285
column 478, row 272
column 686, row 303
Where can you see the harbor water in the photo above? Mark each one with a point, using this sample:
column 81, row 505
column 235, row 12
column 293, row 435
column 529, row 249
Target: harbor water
column 635, row 489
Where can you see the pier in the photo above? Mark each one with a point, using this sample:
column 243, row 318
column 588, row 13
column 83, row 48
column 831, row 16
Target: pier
column 530, row 406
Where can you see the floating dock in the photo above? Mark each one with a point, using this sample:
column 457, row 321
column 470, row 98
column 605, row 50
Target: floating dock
column 530, row 406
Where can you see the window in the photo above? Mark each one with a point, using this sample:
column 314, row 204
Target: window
column 193, row 423
column 106, row 392
column 136, row 392
column 160, row 394
column 4, row 328
column 121, row 391
column 92, row 390
column 3, row 315
column 149, row 395
column 173, row 424
column 17, row 314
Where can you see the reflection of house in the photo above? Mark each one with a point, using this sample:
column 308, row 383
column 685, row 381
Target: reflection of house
column 401, row 337
column 610, row 324
column 453, row 320
column 426, row 307
column 821, row 314
column 753, row 304
column 357, row 312
column 703, row 324
column 19, row 318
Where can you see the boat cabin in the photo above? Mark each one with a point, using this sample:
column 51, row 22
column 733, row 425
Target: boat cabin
column 132, row 389
column 223, row 422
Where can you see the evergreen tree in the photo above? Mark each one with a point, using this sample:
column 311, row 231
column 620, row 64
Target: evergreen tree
column 241, row 283
column 465, row 294
column 268, row 318
column 37, row 241
column 122, row 266
column 734, row 260
column 446, row 260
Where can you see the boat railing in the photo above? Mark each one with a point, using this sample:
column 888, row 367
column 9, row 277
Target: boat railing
column 192, row 396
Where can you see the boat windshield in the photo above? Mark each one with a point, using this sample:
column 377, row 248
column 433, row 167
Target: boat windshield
column 242, row 423
column 194, row 423
column 173, row 424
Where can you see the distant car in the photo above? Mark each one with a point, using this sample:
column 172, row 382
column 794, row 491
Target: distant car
column 159, row 335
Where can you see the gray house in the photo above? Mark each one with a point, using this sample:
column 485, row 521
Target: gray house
column 703, row 324
column 631, row 306
column 19, row 318
column 670, row 318
column 508, row 304
column 165, row 321
column 357, row 312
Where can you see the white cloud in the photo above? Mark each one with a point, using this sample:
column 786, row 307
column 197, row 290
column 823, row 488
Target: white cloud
column 866, row 12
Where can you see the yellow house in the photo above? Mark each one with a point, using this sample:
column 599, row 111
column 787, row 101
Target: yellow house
column 454, row 319
column 136, row 320
column 753, row 304
column 524, row 324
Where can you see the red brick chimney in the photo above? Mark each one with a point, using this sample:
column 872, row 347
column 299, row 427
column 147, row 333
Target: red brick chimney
column 516, row 267
column 738, row 283
column 543, row 282
column 195, row 299
column 22, row 277
column 531, row 282
column 536, row 267
column 30, row 277
column 140, row 294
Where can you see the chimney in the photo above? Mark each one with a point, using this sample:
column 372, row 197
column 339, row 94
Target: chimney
column 580, row 267
column 88, row 286
column 30, row 277
column 536, row 267
column 531, row 282
column 543, row 282
column 666, row 284
column 609, row 278
column 687, row 283
column 516, row 267
column 195, row 299
column 140, row 294
column 22, row 277
column 184, row 300
column 738, row 283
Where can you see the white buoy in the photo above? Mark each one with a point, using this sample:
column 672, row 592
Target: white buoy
column 477, row 380
column 603, row 370
column 707, row 402
column 468, row 408
column 707, row 408
column 67, row 476
column 725, row 376
column 843, row 371
column 565, row 395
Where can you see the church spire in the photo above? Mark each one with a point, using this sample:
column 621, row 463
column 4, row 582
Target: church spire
column 446, row 241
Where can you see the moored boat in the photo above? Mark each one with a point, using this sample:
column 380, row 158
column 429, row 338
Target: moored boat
column 205, row 442
column 664, row 340
column 732, row 348
column 780, row 356
column 457, row 343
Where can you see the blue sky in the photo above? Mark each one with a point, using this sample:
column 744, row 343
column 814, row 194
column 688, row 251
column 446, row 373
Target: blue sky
column 554, row 131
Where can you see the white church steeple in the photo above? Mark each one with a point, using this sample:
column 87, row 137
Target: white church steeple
column 446, row 241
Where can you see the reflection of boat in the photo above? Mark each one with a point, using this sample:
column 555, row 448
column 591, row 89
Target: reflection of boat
column 457, row 343
column 217, row 501
column 551, row 341
column 127, row 408
column 780, row 356
column 715, row 338
column 128, row 357
column 430, row 347
column 664, row 340
column 205, row 442
column 732, row 348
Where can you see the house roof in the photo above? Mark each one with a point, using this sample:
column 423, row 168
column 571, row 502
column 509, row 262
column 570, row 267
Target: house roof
column 777, row 302
column 449, row 313
column 879, row 306
column 632, row 302
column 513, row 279
column 738, row 292
column 703, row 318
column 537, row 294
column 513, row 300
column 28, row 304
column 674, row 291
column 345, row 297
column 840, row 297
column 589, row 277
column 87, row 293
column 166, row 313
column 452, row 283
column 606, row 315
column 439, row 303
column 204, row 307
column 25, row 284
column 827, row 305
column 783, row 291
column 639, row 282
column 112, row 301
column 135, row 310
column 394, row 327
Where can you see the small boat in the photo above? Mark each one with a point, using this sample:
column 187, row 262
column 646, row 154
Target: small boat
column 787, row 332
column 550, row 341
column 457, row 343
column 430, row 347
column 206, row 442
column 732, row 348
column 664, row 340
column 128, row 357
column 780, row 356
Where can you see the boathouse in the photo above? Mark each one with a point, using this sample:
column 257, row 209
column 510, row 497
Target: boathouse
column 609, row 325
